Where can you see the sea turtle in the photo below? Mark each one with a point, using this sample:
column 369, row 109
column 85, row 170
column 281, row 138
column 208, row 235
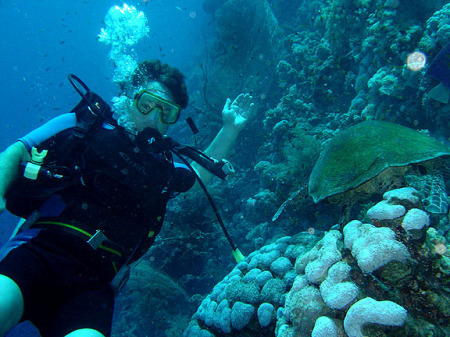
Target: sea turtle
column 374, row 156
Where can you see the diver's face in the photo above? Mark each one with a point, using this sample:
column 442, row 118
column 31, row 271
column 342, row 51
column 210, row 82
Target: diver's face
column 154, row 108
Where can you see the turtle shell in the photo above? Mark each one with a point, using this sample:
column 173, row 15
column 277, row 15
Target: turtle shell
column 361, row 152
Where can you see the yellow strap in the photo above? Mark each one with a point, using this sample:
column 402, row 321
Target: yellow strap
column 110, row 250
column 64, row 225
column 89, row 235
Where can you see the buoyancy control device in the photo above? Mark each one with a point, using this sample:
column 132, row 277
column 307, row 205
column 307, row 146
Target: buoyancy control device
column 91, row 112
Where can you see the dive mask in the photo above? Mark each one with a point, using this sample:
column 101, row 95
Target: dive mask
column 146, row 102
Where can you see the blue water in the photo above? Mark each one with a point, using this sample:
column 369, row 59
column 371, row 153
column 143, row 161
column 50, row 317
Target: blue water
column 43, row 41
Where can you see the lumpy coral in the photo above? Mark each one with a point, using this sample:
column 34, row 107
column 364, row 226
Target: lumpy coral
column 362, row 280
column 368, row 311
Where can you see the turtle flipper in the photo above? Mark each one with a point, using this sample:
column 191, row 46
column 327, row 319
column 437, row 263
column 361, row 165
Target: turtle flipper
column 435, row 199
column 432, row 191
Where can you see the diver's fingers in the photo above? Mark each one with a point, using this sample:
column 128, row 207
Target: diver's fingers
column 227, row 105
column 239, row 100
column 248, row 101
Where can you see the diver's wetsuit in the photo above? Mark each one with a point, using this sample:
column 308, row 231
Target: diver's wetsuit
column 114, row 183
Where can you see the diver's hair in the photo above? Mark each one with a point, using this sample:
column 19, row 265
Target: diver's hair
column 170, row 77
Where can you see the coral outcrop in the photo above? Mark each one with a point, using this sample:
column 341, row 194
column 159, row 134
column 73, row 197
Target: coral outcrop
column 368, row 279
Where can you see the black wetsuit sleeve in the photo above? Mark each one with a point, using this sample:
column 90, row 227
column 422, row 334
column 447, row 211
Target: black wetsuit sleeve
column 184, row 178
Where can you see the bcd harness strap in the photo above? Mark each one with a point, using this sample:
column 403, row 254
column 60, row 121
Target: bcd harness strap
column 91, row 112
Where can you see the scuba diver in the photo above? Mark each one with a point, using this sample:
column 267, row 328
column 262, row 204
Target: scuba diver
column 92, row 187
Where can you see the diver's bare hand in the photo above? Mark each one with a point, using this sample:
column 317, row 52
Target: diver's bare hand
column 236, row 113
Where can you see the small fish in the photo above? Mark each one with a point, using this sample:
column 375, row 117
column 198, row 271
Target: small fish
column 440, row 70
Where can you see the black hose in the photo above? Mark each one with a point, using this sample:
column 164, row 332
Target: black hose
column 210, row 199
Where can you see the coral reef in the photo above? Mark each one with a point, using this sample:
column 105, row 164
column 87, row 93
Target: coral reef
column 155, row 298
column 315, row 68
column 330, row 64
column 244, row 52
column 369, row 279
